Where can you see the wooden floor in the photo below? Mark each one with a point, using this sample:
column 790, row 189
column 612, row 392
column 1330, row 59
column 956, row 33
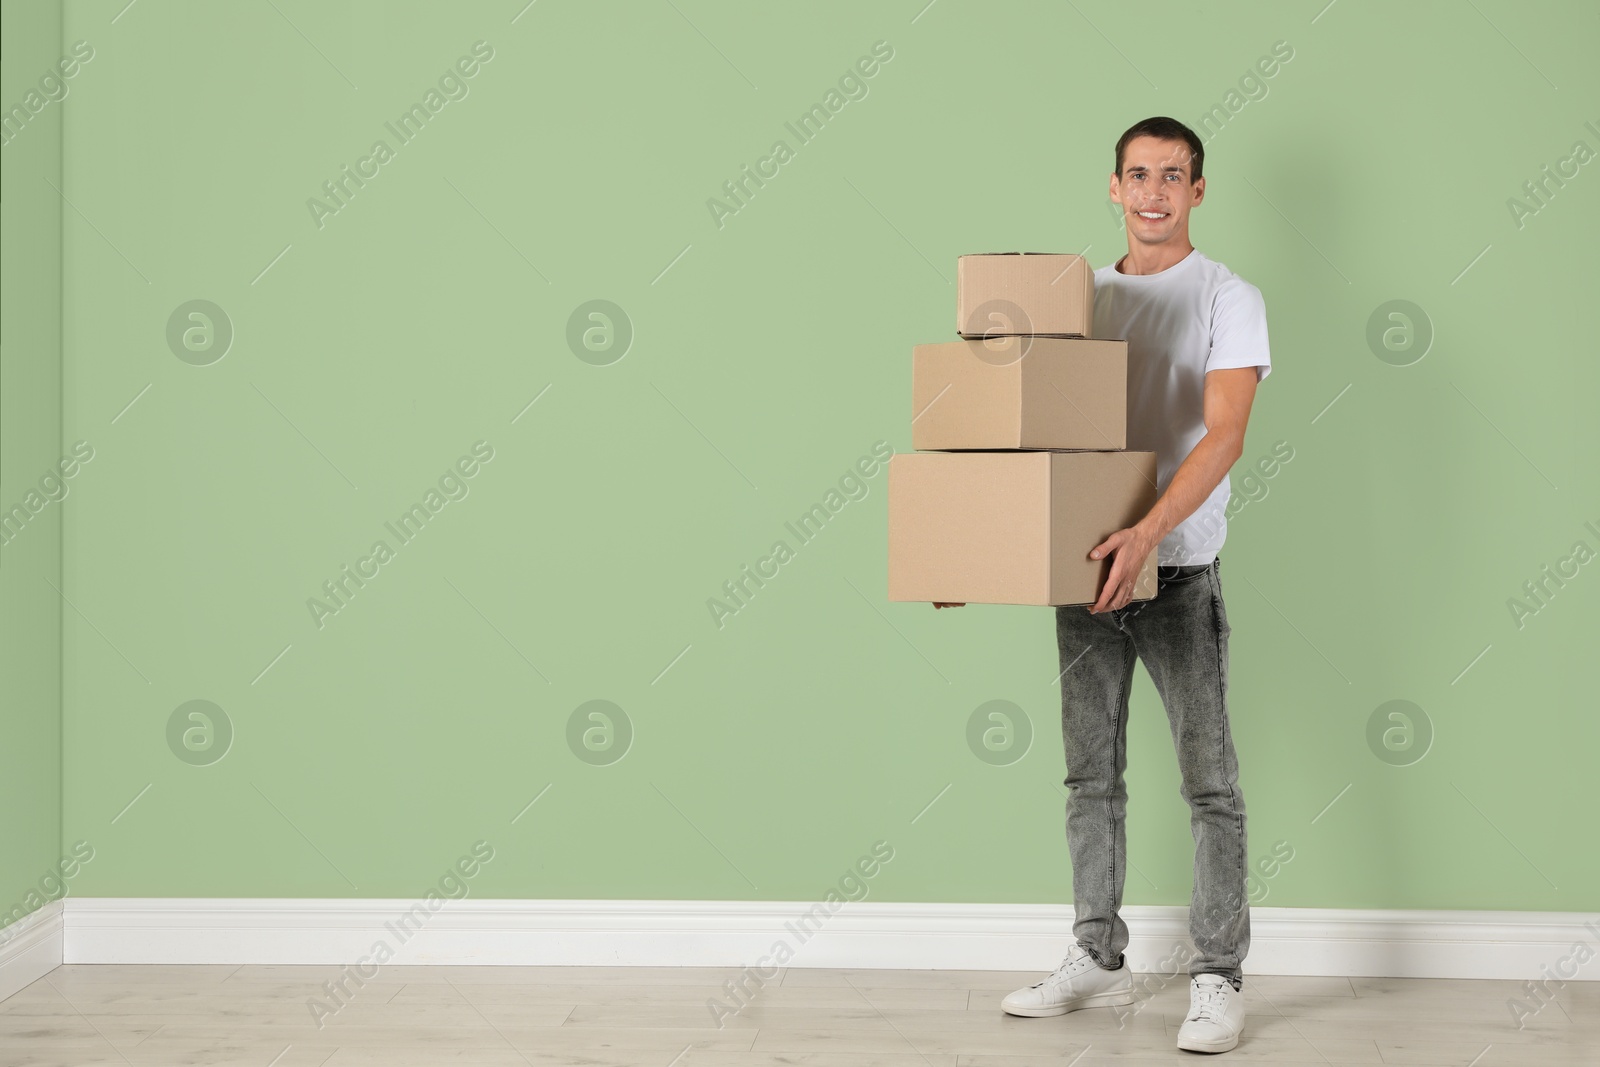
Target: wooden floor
column 222, row 1016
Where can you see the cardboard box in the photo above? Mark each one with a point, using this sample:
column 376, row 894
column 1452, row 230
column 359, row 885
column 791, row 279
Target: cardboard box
column 1020, row 392
column 1011, row 293
column 1013, row 527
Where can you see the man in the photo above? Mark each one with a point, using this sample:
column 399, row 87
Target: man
column 1197, row 347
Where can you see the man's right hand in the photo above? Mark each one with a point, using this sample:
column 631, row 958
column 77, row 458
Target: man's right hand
column 936, row 604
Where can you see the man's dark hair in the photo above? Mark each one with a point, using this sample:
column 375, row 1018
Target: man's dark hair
column 1165, row 129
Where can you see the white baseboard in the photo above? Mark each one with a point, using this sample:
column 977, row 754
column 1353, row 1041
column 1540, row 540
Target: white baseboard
column 861, row 934
column 30, row 948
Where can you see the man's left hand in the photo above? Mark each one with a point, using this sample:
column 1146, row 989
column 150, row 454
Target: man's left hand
column 1130, row 548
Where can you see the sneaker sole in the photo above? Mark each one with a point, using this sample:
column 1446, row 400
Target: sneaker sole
column 1094, row 1000
column 1224, row 1045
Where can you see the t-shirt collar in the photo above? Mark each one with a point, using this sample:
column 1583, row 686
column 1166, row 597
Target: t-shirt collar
column 1193, row 255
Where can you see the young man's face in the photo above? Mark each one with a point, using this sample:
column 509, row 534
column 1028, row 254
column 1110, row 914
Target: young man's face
column 1155, row 181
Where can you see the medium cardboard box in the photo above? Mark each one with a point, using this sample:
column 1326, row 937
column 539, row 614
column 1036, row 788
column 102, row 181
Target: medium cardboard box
column 1008, row 293
column 1020, row 392
column 1013, row 527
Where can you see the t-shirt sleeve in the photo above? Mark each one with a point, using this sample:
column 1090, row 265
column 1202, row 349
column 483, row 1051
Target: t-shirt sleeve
column 1239, row 329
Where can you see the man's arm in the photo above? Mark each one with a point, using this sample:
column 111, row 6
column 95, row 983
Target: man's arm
column 1227, row 398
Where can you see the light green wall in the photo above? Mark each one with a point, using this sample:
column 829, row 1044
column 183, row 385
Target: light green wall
column 30, row 448
column 371, row 353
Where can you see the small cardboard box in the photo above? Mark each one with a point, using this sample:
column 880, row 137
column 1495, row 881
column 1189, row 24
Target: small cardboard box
column 1013, row 527
column 1008, row 293
column 1020, row 392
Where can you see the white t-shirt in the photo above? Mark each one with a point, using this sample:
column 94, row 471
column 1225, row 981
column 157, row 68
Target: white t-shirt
column 1193, row 317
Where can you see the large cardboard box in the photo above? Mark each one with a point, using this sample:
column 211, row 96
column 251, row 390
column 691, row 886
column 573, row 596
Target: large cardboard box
column 1013, row 527
column 1009, row 293
column 1020, row 392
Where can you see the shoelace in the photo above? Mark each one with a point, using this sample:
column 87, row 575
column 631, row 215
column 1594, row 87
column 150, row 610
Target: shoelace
column 1213, row 1003
column 1059, row 975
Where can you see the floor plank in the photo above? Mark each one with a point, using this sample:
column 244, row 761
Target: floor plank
column 222, row 1016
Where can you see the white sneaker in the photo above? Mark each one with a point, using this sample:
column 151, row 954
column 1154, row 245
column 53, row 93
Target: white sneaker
column 1216, row 1015
column 1079, row 982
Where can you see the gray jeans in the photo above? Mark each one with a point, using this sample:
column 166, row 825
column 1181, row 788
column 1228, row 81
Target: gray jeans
column 1182, row 638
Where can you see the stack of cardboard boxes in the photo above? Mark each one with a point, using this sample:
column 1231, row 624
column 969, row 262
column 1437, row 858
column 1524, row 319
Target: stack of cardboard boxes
column 1021, row 429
